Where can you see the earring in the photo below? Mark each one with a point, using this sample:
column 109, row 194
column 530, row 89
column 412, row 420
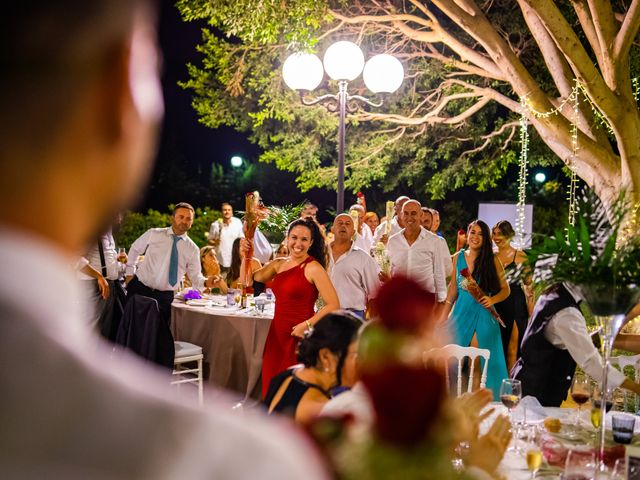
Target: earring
column 326, row 369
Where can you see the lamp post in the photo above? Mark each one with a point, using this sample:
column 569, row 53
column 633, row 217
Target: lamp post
column 343, row 62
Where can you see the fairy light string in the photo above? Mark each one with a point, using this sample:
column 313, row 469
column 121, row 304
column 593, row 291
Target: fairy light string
column 522, row 176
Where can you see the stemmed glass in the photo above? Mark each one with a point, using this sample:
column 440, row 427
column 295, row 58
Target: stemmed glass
column 534, row 450
column 596, row 400
column 510, row 395
column 122, row 260
column 580, row 393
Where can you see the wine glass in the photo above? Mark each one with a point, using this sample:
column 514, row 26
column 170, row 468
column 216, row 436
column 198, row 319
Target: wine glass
column 122, row 261
column 580, row 393
column 580, row 465
column 510, row 395
column 596, row 401
column 534, row 450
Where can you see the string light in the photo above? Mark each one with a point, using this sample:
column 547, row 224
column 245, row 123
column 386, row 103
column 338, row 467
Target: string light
column 522, row 176
column 573, row 183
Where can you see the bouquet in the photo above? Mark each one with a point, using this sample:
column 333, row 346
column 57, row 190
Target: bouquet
column 254, row 213
column 361, row 200
column 382, row 258
column 476, row 292
column 356, row 219
column 389, row 214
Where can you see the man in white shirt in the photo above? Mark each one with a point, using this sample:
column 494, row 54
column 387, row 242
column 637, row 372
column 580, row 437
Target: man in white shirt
column 415, row 253
column 397, row 223
column 98, row 273
column 222, row 234
column 364, row 237
column 427, row 222
column 353, row 272
column 169, row 253
column 81, row 104
column 554, row 342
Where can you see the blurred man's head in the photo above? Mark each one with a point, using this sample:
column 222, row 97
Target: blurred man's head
column 81, row 100
column 435, row 224
column 427, row 218
column 309, row 210
column 360, row 210
column 227, row 211
column 343, row 228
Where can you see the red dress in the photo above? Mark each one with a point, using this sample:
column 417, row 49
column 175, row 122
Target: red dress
column 295, row 298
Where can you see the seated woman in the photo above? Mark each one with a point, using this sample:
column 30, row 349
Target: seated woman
column 211, row 268
column 282, row 251
column 234, row 275
column 302, row 392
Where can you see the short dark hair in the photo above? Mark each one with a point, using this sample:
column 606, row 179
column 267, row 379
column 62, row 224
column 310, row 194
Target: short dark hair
column 226, row 203
column 183, row 205
column 48, row 52
column 335, row 331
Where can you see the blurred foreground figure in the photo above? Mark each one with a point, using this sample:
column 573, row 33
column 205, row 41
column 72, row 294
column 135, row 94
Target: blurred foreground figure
column 80, row 105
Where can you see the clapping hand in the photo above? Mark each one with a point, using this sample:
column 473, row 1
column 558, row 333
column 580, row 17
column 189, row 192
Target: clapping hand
column 487, row 451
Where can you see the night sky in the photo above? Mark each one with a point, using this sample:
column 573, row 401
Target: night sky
column 187, row 148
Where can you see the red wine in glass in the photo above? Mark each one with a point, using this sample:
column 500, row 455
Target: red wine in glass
column 580, row 397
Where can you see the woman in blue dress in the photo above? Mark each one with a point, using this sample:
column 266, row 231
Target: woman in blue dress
column 470, row 322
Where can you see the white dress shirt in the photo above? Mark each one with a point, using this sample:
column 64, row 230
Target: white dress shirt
column 355, row 402
column 364, row 240
column 354, row 276
column 420, row 261
column 395, row 228
column 156, row 244
column 567, row 330
column 110, row 258
column 227, row 234
column 447, row 262
column 73, row 411
column 262, row 249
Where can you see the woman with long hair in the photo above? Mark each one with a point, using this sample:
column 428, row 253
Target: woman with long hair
column 470, row 322
column 235, row 275
column 325, row 354
column 211, row 268
column 516, row 308
column 297, row 281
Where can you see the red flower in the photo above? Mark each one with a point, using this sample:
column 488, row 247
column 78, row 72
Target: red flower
column 402, row 304
column 461, row 232
column 359, row 194
column 407, row 401
column 465, row 272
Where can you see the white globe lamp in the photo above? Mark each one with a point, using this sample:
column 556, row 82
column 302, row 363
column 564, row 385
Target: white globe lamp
column 302, row 71
column 236, row 161
column 383, row 74
column 343, row 61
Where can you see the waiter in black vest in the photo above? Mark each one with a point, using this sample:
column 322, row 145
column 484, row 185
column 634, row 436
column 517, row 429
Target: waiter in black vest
column 554, row 342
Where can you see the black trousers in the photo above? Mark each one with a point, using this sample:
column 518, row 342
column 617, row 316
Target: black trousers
column 163, row 297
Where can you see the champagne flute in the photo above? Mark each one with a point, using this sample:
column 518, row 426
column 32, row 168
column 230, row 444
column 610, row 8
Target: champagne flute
column 580, row 392
column 510, row 395
column 596, row 401
column 534, row 451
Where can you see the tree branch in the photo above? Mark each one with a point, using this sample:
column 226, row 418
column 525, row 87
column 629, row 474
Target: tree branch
column 628, row 31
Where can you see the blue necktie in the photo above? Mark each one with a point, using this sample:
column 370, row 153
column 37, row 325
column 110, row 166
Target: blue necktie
column 173, row 262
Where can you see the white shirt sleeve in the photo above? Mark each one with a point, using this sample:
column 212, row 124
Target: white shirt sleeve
column 438, row 273
column 567, row 330
column 370, row 276
column 137, row 248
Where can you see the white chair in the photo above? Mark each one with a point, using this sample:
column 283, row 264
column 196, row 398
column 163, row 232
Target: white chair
column 187, row 353
column 629, row 361
column 460, row 353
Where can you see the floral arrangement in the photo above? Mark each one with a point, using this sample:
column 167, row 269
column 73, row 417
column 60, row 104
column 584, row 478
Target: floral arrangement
column 470, row 285
column 412, row 436
column 361, row 200
column 192, row 294
column 254, row 213
column 382, row 258
column 389, row 214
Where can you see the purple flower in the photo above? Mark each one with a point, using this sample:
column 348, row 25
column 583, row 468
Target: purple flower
column 192, row 295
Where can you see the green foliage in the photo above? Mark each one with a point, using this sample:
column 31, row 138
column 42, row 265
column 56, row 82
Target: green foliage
column 135, row 224
column 239, row 84
column 275, row 225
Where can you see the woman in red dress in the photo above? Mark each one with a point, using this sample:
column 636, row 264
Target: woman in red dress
column 297, row 281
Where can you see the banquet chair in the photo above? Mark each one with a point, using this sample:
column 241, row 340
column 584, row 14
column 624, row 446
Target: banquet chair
column 460, row 354
column 188, row 353
column 629, row 361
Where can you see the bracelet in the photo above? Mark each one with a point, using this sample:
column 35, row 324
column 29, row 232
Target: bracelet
column 309, row 325
column 448, row 301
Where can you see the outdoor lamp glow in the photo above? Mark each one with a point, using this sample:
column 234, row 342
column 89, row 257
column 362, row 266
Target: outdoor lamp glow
column 236, row 161
column 302, row 71
column 343, row 61
column 383, row 74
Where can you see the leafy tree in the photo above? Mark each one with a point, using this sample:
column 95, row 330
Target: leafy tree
column 468, row 63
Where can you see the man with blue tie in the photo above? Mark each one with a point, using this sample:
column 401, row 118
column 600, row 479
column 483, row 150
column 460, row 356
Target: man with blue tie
column 168, row 254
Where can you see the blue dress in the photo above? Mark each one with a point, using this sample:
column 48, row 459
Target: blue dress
column 469, row 317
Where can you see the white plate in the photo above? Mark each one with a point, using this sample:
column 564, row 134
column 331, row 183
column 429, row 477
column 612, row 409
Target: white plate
column 199, row 302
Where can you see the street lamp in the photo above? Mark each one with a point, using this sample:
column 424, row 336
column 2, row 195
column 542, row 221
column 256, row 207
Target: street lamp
column 343, row 62
column 236, row 161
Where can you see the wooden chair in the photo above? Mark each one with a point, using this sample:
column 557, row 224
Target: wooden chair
column 460, row 353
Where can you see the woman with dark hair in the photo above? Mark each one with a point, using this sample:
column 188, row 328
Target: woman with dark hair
column 470, row 321
column 297, row 281
column 235, row 275
column 516, row 308
column 302, row 392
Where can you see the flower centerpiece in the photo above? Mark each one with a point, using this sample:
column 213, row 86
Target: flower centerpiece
column 415, row 426
column 192, row 294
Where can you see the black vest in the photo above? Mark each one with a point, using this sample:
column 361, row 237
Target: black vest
column 544, row 370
